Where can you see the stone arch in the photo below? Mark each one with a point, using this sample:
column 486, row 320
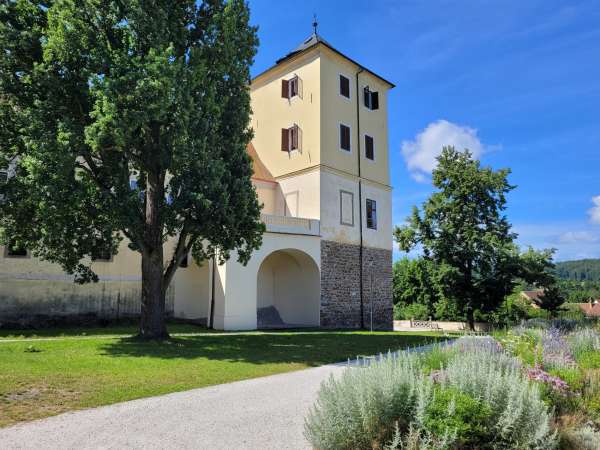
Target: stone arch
column 288, row 290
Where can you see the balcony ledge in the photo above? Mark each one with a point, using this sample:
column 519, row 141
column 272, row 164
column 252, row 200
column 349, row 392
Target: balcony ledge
column 291, row 225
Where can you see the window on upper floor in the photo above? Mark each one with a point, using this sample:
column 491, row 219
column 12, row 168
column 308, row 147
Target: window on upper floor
column 101, row 253
column 345, row 142
column 371, row 214
column 369, row 147
column 291, row 138
column 344, row 86
column 3, row 176
column 292, row 87
column 371, row 98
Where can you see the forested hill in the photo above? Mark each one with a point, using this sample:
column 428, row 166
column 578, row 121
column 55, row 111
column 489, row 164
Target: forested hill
column 581, row 270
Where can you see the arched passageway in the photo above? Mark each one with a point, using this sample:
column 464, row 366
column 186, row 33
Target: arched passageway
column 288, row 290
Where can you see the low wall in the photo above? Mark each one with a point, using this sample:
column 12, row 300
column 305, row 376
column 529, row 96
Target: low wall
column 36, row 303
column 435, row 325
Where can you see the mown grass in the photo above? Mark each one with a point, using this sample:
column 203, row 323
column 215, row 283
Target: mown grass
column 39, row 378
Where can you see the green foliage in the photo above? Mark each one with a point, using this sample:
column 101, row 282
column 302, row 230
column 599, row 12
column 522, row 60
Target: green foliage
column 415, row 311
column 452, row 412
column 462, row 229
column 551, row 300
column 95, row 95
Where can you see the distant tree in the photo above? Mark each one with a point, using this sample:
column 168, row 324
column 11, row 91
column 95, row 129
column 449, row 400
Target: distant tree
column 462, row 227
column 415, row 281
column 551, row 300
column 128, row 119
column 587, row 270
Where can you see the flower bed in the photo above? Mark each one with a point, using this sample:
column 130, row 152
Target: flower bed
column 527, row 392
column 476, row 396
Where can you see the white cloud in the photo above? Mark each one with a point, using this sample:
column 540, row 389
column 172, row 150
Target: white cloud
column 594, row 211
column 573, row 237
column 421, row 154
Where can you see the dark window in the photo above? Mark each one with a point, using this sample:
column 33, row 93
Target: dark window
column 369, row 148
column 371, row 214
column 184, row 263
column 291, row 138
column 101, row 252
column 3, row 176
column 291, row 88
column 344, row 86
column 14, row 250
column 345, row 137
column 371, row 98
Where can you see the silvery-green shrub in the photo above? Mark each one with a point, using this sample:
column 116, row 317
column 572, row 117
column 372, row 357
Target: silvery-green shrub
column 364, row 405
column 520, row 418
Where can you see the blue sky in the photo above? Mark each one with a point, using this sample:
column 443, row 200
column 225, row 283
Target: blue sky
column 516, row 81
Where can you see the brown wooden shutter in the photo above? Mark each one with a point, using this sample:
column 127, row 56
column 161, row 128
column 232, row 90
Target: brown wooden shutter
column 374, row 100
column 285, row 89
column 285, row 140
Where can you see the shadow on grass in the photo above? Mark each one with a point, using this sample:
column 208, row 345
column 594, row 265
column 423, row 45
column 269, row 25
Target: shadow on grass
column 311, row 348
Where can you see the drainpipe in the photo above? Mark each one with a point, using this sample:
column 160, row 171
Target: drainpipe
column 211, row 323
column 360, row 227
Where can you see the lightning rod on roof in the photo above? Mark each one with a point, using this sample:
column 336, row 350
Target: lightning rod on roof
column 315, row 24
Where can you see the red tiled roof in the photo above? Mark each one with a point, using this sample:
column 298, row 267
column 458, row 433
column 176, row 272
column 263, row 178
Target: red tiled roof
column 260, row 170
column 590, row 309
column 533, row 295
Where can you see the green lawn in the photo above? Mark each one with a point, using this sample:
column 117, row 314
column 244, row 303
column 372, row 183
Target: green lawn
column 39, row 378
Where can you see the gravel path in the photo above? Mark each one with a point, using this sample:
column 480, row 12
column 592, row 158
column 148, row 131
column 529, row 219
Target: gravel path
column 263, row 413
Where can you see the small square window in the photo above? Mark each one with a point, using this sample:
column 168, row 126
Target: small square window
column 291, row 138
column 369, row 148
column 13, row 250
column 101, row 254
column 344, row 86
column 345, row 143
column 291, row 88
column 371, row 214
column 371, row 99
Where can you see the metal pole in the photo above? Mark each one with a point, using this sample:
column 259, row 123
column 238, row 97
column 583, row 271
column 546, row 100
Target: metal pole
column 371, row 302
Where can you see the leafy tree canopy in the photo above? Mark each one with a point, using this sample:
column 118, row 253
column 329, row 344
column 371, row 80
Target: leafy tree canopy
column 128, row 120
column 462, row 228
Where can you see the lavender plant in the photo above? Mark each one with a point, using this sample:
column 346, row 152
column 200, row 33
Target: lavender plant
column 519, row 416
column 362, row 407
column 556, row 353
column 393, row 404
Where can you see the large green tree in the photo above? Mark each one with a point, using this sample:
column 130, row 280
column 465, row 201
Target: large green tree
column 462, row 227
column 128, row 120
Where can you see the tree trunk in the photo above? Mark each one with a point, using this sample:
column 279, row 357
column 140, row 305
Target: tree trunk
column 152, row 324
column 470, row 317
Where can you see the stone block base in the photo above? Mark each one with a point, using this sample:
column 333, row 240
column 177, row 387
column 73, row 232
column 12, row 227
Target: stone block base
column 340, row 287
